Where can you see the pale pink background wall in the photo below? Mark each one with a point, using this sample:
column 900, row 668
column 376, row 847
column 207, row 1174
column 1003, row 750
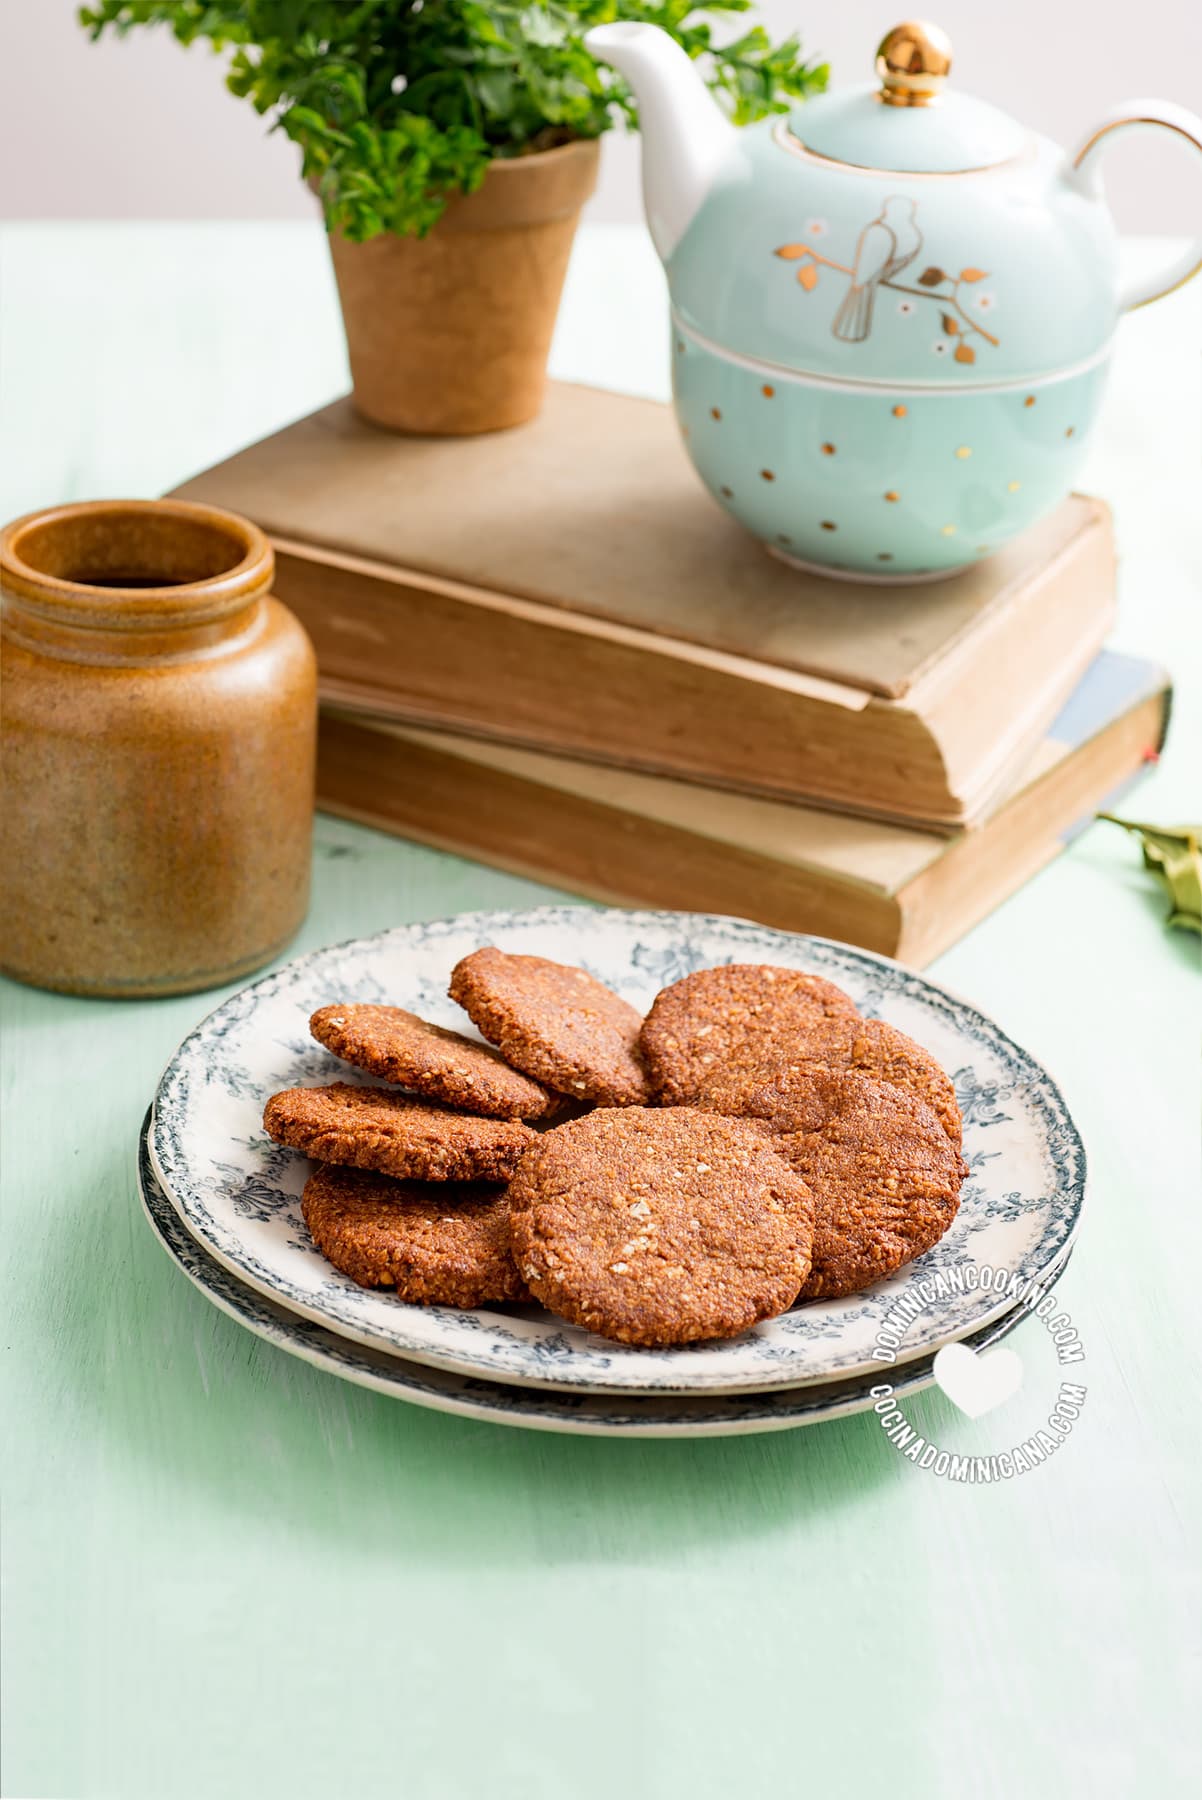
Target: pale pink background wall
column 143, row 129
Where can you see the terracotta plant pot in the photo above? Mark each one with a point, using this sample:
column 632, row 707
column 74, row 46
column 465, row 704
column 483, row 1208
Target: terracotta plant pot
column 159, row 728
column 449, row 334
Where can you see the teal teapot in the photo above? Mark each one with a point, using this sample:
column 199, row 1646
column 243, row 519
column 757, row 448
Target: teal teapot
column 892, row 310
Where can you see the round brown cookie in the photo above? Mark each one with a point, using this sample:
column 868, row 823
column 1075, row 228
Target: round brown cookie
column 884, row 1174
column 446, row 1245
column 398, row 1046
column 868, row 1046
column 656, row 1226
column 556, row 1023
column 374, row 1128
column 747, row 1018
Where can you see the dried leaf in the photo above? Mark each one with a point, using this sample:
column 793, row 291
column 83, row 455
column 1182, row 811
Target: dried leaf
column 1174, row 854
column 1181, row 872
column 791, row 252
column 973, row 274
column 931, row 277
column 808, row 276
column 965, row 353
column 950, row 325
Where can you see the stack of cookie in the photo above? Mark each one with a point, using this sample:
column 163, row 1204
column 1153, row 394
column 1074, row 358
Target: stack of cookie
column 753, row 1142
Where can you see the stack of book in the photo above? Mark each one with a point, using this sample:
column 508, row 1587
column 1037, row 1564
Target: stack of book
column 549, row 650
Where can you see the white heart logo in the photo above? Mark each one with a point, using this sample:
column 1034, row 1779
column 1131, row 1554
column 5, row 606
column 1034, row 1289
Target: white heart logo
column 976, row 1384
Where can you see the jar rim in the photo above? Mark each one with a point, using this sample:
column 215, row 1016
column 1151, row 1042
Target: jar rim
column 135, row 601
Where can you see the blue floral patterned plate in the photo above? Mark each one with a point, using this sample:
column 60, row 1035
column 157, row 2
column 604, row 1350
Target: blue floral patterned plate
column 501, row 1403
column 239, row 1194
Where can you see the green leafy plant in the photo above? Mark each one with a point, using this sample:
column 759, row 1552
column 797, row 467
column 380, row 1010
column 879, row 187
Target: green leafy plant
column 396, row 105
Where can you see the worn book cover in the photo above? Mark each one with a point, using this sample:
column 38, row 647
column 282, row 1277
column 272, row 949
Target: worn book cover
column 569, row 586
column 642, row 840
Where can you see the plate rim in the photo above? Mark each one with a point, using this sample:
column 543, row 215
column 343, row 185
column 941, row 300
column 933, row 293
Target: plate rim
column 507, row 1409
column 478, row 1365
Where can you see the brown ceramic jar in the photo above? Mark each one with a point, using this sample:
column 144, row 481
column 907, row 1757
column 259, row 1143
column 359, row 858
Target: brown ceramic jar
column 159, row 720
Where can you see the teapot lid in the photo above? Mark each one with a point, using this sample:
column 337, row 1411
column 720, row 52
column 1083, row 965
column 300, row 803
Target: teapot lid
column 904, row 122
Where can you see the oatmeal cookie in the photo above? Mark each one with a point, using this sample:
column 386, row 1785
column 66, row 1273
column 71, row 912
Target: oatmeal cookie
column 446, row 1245
column 867, row 1046
column 746, row 1019
column 655, row 1226
column 398, row 1046
column 884, row 1174
column 558, row 1024
column 375, row 1128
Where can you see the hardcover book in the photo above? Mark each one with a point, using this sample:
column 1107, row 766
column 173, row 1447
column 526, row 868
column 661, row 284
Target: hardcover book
column 642, row 840
column 568, row 586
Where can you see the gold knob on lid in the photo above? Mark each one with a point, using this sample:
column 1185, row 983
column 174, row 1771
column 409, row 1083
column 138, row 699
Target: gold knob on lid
column 913, row 63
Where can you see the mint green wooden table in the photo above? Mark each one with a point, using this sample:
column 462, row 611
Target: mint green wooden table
column 229, row 1575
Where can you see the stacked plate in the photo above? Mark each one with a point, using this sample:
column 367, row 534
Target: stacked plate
column 225, row 1201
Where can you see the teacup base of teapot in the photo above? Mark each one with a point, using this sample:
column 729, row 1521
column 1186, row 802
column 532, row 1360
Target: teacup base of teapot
column 862, row 577
column 869, row 481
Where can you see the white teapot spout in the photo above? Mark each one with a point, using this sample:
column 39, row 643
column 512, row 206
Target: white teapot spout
column 684, row 134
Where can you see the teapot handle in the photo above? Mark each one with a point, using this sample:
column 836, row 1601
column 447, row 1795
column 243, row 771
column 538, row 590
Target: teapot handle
column 1085, row 165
